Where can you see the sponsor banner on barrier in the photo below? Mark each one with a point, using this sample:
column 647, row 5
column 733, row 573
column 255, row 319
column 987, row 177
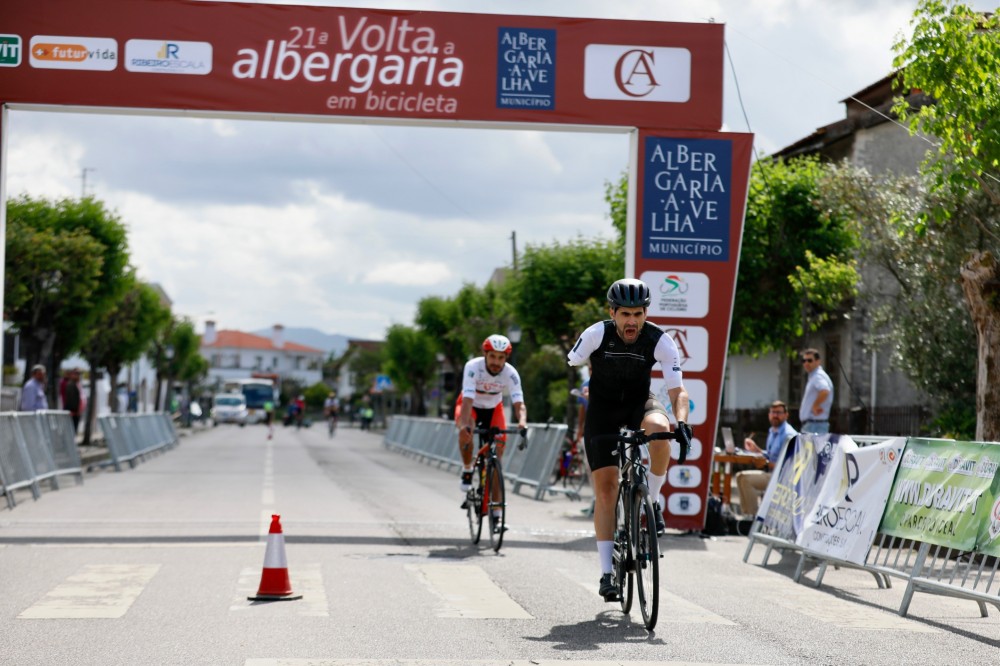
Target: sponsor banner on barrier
column 846, row 515
column 942, row 494
column 989, row 526
column 795, row 485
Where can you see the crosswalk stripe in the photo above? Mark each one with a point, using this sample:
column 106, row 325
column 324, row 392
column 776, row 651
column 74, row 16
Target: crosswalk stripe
column 466, row 591
column 95, row 591
column 306, row 579
column 682, row 611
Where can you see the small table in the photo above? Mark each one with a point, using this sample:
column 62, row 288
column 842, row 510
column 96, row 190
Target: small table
column 722, row 471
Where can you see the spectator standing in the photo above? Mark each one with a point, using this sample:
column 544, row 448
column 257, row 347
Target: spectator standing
column 33, row 394
column 814, row 412
column 752, row 483
column 300, row 411
column 72, row 400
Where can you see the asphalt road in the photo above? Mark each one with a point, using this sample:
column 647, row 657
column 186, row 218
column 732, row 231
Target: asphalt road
column 153, row 565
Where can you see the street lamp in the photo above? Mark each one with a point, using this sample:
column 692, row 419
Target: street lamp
column 514, row 335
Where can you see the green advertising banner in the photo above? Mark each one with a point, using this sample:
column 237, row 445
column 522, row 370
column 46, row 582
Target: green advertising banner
column 942, row 492
column 989, row 525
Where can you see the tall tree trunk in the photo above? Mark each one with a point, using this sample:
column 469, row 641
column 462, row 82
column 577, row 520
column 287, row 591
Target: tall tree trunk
column 91, row 402
column 981, row 283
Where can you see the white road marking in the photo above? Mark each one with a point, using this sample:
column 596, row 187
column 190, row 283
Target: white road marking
column 842, row 613
column 682, row 611
column 95, row 591
column 467, row 592
column 267, row 492
column 306, row 579
column 472, row 662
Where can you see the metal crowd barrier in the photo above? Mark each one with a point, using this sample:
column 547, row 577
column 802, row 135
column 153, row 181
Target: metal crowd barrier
column 759, row 533
column 924, row 566
column 132, row 437
column 34, row 447
column 434, row 440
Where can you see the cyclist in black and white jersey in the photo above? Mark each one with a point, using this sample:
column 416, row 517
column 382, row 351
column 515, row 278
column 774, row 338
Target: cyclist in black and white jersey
column 484, row 380
column 622, row 351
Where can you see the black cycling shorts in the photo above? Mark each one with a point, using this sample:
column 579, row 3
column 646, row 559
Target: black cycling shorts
column 608, row 422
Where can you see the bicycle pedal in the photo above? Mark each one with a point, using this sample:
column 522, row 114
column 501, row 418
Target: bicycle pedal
column 612, row 598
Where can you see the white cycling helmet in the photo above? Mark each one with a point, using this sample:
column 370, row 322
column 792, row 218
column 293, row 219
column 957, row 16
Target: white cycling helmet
column 498, row 343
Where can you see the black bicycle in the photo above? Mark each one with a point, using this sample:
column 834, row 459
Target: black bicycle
column 487, row 497
column 636, row 552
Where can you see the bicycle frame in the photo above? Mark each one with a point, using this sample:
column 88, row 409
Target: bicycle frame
column 636, row 551
column 487, row 498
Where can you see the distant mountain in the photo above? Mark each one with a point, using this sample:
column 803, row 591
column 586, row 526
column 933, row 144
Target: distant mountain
column 311, row 337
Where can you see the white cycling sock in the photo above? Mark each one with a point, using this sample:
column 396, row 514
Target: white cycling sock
column 604, row 550
column 655, row 482
column 468, row 469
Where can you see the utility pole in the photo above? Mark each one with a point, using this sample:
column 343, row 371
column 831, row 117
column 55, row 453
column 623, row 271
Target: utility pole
column 83, row 179
column 513, row 246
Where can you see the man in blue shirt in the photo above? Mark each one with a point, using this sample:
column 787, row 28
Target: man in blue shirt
column 33, row 394
column 814, row 413
column 753, row 483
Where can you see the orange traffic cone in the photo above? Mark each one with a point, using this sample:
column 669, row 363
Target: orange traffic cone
column 274, row 583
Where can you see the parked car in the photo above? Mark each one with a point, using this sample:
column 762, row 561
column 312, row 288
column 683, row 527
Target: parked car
column 229, row 408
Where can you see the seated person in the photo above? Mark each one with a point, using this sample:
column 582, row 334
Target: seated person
column 753, row 483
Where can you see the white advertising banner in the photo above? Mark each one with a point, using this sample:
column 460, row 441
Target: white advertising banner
column 843, row 521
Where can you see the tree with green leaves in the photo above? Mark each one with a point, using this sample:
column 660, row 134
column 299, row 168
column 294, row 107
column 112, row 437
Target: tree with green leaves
column 918, row 310
column 410, row 361
column 365, row 364
column 797, row 266
column 69, row 325
column 552, row 283
column 49, row 269
column 952, row 57
column 121, row 336
column 176, row 356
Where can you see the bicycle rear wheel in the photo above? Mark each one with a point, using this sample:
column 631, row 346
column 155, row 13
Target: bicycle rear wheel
column 621, row 559
column 474, row 508
column 497, row 503
column 647, row 556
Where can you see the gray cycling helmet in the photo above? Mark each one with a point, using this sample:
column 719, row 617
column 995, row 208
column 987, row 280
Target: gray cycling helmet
column 629, row 293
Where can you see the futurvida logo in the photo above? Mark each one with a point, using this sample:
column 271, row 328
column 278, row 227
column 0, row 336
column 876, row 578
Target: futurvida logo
column 91, row 53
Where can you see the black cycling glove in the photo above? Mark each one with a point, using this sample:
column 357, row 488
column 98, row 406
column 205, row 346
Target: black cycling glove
column 684, row 435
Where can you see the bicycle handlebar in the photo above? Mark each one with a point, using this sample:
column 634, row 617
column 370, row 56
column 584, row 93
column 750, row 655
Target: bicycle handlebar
column 637, row 437
column 493, row 431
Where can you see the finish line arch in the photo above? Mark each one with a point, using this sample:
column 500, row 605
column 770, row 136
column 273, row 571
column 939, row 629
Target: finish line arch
column 660, row 82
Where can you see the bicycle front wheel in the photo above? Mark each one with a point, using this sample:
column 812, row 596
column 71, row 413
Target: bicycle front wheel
column 497, row 503
column 622, row 555
column 474, row 508
column 647, row 555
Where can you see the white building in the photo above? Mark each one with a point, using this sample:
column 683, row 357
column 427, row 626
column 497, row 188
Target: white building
column 237, row 354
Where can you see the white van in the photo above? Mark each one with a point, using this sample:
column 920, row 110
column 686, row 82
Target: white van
column 229, row 408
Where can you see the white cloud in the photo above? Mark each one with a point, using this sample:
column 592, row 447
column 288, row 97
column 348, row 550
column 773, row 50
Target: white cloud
column 409, row 273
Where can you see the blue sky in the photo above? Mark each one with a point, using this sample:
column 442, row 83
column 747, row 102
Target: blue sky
column 345, row 227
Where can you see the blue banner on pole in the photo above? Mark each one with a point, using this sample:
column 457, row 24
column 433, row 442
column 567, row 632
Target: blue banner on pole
column 686, row 199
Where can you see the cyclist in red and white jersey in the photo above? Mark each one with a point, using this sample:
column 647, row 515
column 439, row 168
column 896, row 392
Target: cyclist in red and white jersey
column 484, row 380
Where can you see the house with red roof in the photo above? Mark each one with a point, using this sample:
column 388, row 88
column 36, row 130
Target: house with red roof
column 238, row 355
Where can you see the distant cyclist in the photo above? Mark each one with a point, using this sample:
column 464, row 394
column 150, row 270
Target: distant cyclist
column 331, row 410
column 269, row 418
column 484, row 380
column 622, row 351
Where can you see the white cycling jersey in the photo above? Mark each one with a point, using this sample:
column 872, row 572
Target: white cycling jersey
column 486, row 390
